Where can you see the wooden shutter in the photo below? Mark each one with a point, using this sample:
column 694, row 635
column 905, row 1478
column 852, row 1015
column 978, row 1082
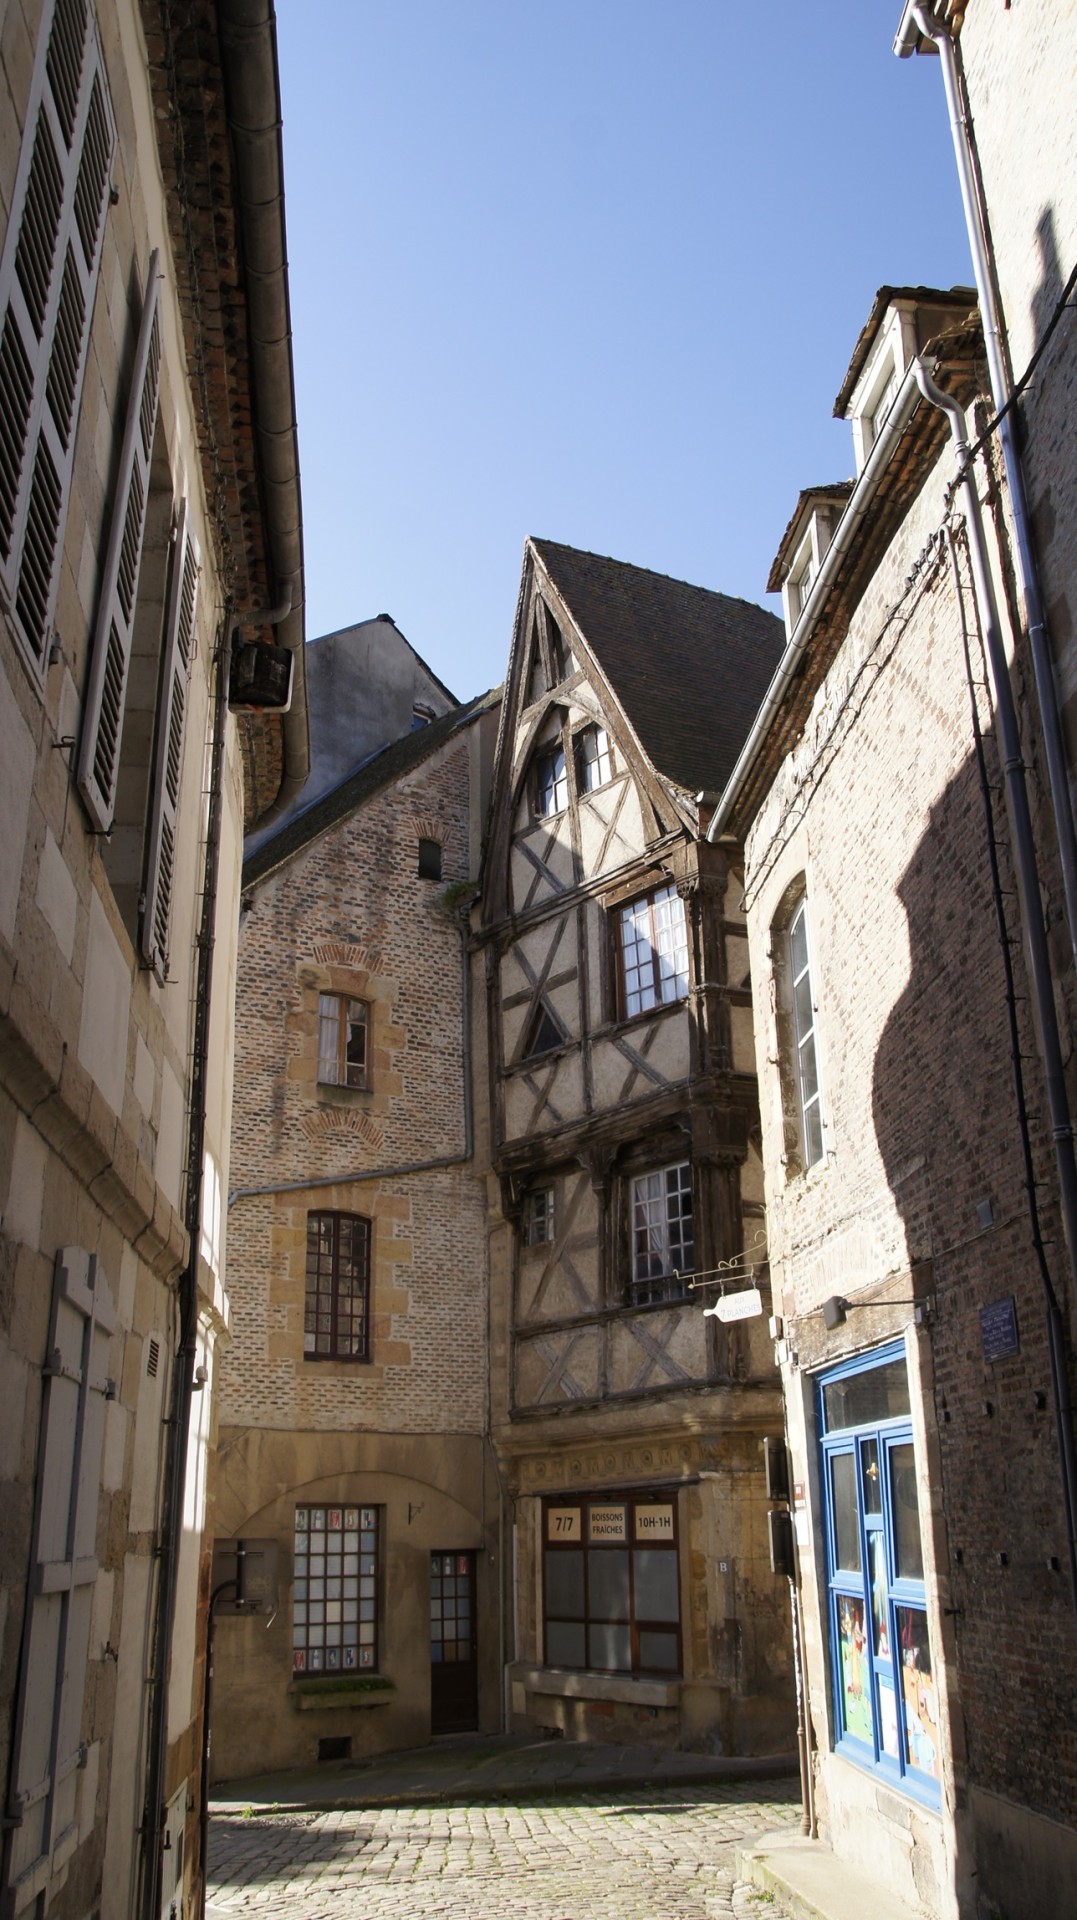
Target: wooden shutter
column 102, row 719
column 52, row 1679
column 47, row 280
column 168, row 751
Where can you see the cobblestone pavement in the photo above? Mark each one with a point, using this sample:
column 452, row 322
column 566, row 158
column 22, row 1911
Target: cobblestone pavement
column 644, row 1855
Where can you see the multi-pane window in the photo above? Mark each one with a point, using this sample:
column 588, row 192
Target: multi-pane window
column 538, row 1217
column 551, row 783
column 337, row 1316
column 807, row 1057
column 452, row 1614
column 335, row 1591
column 342, row 1041
column 612, row 1585
column 594, row 765
column 652, row 951
column 663, row 1243
column 885, row 1691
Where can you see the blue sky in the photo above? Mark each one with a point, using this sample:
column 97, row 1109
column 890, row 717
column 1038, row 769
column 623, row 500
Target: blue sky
column 591, row 271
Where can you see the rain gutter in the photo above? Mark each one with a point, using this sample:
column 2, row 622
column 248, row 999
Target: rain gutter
column 248, row 43
column 906, row 401
column 920, row 19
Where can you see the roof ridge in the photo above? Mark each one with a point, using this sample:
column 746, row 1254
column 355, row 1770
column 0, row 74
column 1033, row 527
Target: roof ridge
column 630, row 566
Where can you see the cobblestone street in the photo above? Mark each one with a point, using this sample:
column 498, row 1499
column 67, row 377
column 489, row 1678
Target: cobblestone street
column 664, row 1854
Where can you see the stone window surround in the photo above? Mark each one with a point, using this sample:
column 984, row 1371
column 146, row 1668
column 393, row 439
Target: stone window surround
column 342, row 1017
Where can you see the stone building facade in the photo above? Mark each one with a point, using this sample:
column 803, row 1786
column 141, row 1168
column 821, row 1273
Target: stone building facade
column 136, row 368
column 900, row 1090
column 625, row 1187
column 353, row 1412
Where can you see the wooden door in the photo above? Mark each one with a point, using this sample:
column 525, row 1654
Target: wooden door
column 454, row 1675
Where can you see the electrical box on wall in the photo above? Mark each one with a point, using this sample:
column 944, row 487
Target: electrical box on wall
column 776, row 1466
column 260, row 678
column 247, row 1571
column 781, row 1542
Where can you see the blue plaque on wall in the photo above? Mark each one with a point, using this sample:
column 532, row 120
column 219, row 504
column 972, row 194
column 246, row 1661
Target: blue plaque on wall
column 998, row 1329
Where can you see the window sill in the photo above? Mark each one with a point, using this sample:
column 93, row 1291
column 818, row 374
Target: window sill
column 340, row 1690
column 569, row 1684
column 337, row 1094
column 624, row 1023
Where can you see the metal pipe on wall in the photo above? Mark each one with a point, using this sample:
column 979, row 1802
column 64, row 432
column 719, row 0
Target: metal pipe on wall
column 1001, row 392
column 1028, row 890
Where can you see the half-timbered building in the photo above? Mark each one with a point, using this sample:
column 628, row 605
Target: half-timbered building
column 625, row 1188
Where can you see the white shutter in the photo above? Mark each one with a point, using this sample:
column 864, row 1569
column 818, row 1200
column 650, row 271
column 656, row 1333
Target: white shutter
column 48, row 1747
column 168, row 750
column 102, row 719
column 47, row 279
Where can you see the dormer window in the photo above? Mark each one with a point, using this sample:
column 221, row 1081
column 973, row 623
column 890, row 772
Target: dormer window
column 803, row 572
column 879, row 405
column 878, row 369
column 805, row 545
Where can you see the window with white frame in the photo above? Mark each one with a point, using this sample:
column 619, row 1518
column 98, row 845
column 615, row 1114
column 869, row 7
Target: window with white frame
column 335, row 1589
column 801, row 576
column 886, row 1702
column 662, row 1233
column 48, row 281
column 880, row 403
column 804, row 1037
column 594, row 761
column 651, row 951
column 342, row 1040
column 538, row 1217
column 551, row 782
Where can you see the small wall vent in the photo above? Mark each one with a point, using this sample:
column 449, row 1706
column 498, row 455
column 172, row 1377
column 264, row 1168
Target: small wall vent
column 153, row 1356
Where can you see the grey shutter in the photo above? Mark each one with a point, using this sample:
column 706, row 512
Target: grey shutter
column 47, row 279
column 52, row 1679
column 102, row 719
column 168, row 751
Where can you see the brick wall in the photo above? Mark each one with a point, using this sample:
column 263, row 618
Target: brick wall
column 879, row 811
column 348, row 914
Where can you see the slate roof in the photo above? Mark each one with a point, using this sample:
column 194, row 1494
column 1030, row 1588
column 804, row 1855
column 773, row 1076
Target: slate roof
column 390, row 764
column 689, row 667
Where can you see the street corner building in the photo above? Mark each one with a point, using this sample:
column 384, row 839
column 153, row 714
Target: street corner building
column 353, row 1457
column 916, row 1243
column 144, row 373
column 625, row 1180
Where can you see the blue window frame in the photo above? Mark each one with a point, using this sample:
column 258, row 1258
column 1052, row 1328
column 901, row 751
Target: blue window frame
column 886, row 1710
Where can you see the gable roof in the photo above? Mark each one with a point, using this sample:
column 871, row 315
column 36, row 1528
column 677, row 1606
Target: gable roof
column 688, row 666
column 392, row 763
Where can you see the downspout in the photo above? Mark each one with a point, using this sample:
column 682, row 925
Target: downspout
column 1001, row 393
column 1028, row 889
column 171, row 1529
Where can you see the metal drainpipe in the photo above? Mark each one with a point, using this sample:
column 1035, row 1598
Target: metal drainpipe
column 1028, row 888
column 1024, row 844
column 1001, row 392
column 175, row 1480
